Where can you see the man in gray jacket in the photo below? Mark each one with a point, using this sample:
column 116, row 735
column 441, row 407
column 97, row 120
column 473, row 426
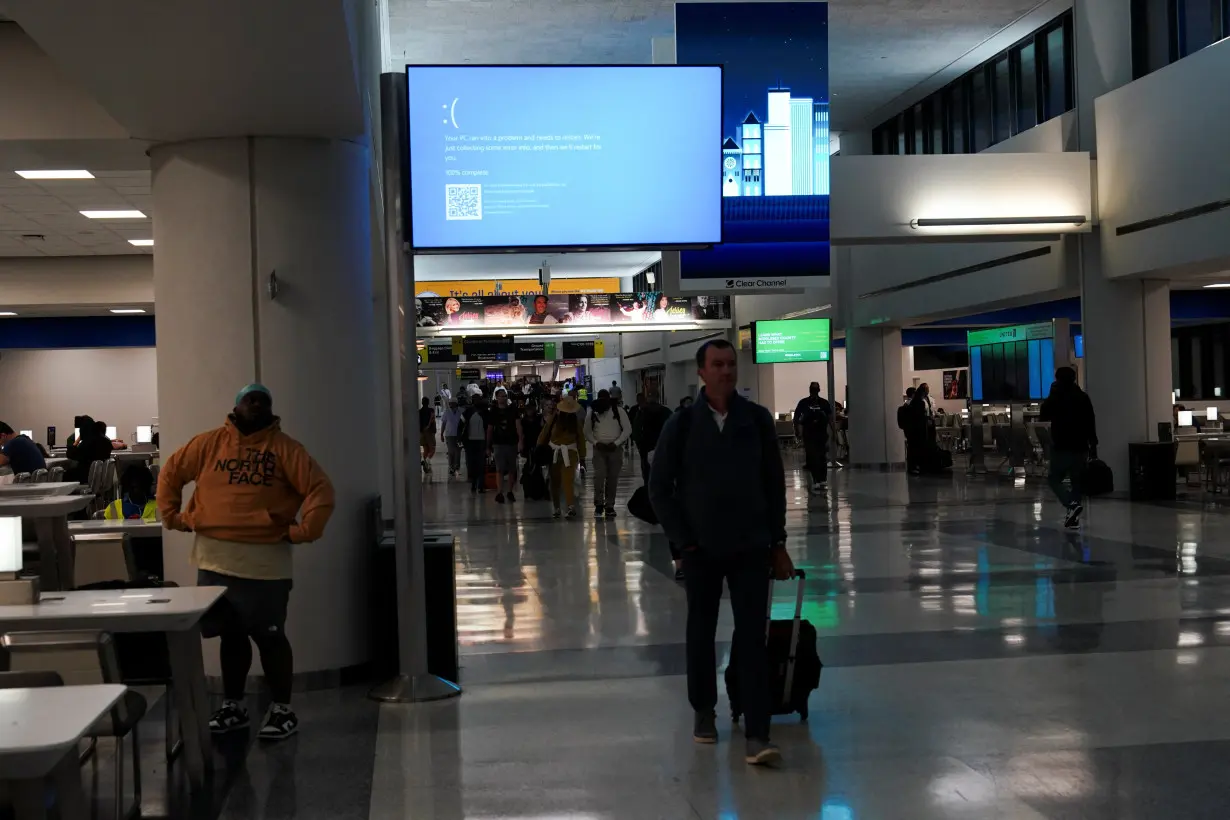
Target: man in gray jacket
column 719, row 489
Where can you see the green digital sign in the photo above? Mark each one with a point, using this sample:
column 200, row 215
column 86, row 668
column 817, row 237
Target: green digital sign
column 783, row 341
column 1016, row 333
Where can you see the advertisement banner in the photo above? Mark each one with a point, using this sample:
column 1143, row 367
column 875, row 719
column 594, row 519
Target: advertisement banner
column 576, row 309
column 775, row 143
column 956, row 384
column 514, row 287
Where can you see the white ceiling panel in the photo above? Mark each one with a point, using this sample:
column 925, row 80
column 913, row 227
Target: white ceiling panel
column 51, row 209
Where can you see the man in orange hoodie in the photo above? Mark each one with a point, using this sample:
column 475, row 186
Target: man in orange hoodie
column 257, row 493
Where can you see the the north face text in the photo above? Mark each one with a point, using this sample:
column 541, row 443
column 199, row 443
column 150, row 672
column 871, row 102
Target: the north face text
column 255, row 467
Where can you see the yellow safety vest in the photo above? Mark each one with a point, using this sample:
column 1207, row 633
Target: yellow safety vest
column 115, row 511
column 582, row 395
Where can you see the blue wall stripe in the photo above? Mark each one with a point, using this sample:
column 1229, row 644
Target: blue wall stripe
column 77, row 331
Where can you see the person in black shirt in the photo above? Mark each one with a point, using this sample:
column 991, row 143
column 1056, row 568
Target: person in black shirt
column 90, row 447
column 504, row 437
column 19, row 452
column 647, row 429
column 1074, row 437
column 811, row 424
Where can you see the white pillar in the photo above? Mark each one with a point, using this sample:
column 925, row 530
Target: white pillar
column 873, row 356
column 231, row 212
column 1125, row 323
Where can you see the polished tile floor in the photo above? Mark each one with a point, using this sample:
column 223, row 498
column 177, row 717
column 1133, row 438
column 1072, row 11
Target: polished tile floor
column 980, row 662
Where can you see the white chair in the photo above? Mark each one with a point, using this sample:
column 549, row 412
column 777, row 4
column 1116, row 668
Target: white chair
column 85, row 658
column 102, row 556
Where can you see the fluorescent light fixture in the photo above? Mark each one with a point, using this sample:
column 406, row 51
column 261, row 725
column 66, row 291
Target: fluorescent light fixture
column 123, row 311
column 10, row 544
column 997, row 221
column 7, row 313
column 55, row 175
column 141, row 243
column 113, row 214
column 1219, row 285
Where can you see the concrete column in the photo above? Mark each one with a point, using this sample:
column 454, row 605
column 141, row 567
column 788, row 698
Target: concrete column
column 232, row 212
column 873, row 356
column 1126, row 323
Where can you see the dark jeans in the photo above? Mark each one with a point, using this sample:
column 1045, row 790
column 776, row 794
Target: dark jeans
column 476, row 463
column 1070, row 463
column 747, row 575
column 815, row 447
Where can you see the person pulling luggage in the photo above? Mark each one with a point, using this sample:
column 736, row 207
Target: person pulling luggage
column 719, row 489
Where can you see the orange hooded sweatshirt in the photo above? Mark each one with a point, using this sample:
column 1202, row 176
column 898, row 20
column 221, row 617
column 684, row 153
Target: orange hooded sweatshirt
column 249, row 489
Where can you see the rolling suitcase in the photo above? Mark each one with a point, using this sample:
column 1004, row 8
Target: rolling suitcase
column 1099, row 479
column 794, row 662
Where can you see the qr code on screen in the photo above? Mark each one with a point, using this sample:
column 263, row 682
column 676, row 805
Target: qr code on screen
column 463, row 202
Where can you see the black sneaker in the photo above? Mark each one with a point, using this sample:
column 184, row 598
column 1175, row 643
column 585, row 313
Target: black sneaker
column 499, row 498
column 762, row 753
column 610, row 512
column 704, row 728
column 1073, row 518
column 679, row 576
column 231, row 717
column 572, row 512
column 557, row 513
column 598, row 512
column 512, row 499
column 280, row 724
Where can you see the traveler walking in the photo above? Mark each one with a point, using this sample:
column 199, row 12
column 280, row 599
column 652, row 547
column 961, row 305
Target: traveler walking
column 474, row 427
column 647, row 429
column 719, row 489
column 505, row 440
column 252, row 481
column 617, row 392
column 904, row 424
column 427, row 433
column 562, row 433
column 1074, row 437
column 450, row 427
column 811, row 425
column 606, row 429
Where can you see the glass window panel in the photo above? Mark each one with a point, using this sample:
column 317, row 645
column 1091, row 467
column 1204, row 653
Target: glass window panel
column 956, row 117
column 901, row 134
column 979, row 111
column 1003, row 99
column 1027, row 87
column 1199, row 24
column 1056, row 73
column 975, row 373
column 936, row 105
column 920, row 131
column 1152, row 35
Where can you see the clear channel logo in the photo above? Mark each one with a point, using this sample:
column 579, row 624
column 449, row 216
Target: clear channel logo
column 738, row 284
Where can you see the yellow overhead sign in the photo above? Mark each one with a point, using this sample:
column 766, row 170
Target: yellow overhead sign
column 515, row 287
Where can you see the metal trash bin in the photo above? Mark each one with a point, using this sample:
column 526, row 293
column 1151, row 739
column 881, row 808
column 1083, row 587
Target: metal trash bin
column 1151, row 471
column 440, row 582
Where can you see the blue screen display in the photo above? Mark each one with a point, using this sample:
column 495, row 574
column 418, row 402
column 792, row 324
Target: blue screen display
column 1078, row 342
column 975, row 373
column 775, row 139
column 564, row 156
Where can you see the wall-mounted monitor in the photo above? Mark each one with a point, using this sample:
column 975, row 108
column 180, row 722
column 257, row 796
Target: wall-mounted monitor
column 782, row 341
column 112, row 433
column 145, row 434
column 564, row 157
column 1011, row 364
column 1078, row 345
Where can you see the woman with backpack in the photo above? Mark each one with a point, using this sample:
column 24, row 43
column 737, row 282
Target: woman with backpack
column 607, row 428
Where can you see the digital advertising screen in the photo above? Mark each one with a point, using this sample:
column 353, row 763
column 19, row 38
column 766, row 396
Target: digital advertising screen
column 792, row 340
column 544, row 310
column 774, row 162
column 516, row 156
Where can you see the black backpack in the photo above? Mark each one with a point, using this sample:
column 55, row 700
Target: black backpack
column 903, row 416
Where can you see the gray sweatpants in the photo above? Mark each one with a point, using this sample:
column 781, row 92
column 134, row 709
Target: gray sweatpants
column 608, row 464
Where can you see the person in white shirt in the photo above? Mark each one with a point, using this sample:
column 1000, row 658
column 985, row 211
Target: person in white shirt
column 450, row 426
column 607, row 427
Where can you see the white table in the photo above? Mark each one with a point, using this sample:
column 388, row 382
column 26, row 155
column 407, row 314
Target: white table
column 47, row 488
column 134, row 527
column 39, row 732
column 55, row 547
column 176, row 611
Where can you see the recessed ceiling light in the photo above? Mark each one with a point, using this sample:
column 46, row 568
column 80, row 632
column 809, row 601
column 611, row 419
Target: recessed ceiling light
column 141, row 243
column 113, row 214
column 55, row 175
column 7, row 313
column 127, row 310
column 1219, row 285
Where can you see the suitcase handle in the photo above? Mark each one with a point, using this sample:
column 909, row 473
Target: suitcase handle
column 800, row 576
